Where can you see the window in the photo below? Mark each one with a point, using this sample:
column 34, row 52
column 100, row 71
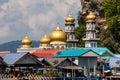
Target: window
column 73, row 59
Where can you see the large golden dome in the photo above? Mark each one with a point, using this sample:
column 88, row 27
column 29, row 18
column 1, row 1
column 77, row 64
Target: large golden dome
column 26, row 42
column 90, row 17
column 45, row 40
column 69, row 19
column 58, row 35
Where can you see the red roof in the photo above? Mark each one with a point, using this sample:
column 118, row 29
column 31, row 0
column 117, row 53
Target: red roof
column 3, row 53
column 45, row 53
column 101, row 60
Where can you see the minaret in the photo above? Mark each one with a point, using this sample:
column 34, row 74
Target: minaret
column 91, row 40
column 70, row 31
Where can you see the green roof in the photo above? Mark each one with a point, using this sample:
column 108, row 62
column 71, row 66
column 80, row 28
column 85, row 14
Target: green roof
column 101, row 51
column 72, row 52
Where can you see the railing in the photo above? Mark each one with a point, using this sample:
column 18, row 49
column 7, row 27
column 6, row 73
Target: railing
column 38, row 77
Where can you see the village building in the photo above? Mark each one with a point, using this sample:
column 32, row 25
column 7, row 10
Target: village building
column 23, row 59
column 3, row 64
column 82, row 57
column 59, row 50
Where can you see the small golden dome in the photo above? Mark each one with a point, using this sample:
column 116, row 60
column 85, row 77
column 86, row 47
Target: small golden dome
column 58, row 35
column 45, row 40
column 69, row 19
column 90, row 17
column 26, row 41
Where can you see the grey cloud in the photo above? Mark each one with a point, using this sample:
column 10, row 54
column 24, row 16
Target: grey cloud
column 35, row 17
column 3, row 1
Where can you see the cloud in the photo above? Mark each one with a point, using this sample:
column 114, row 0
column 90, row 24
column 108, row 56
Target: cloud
column 3, row 1
column 5, row 31
column 34, row 17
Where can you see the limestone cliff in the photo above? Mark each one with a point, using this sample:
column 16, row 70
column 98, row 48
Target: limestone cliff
column 94, row 6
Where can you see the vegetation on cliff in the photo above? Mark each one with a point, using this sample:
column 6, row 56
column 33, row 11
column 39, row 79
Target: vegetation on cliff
column 110, row 35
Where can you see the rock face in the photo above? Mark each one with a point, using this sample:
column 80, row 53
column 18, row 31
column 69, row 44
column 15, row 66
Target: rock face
column 91, row 5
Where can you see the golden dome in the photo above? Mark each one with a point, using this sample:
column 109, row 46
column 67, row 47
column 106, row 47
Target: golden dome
column 45, row 40
column 69, row 19
column 26, row 41
column 58, row 35
column 90, row 17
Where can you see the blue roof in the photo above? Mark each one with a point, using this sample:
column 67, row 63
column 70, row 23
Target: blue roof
column 11, row 58
column 106, row 57
column 40, row 59
column 117, row 55
column 113, row 61
column 47, row 69
column 101, row 50
column 80, row 51
column 72, row 52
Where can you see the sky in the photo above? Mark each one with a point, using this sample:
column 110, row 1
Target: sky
column 34, row 18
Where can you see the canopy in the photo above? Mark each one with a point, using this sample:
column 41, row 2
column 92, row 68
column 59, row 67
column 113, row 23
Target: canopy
column 47, row 69
column 71, row 67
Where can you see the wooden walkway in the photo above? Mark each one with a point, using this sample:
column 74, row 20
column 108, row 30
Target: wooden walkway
column 113, row 77
column 28, row 77
column 39, row 77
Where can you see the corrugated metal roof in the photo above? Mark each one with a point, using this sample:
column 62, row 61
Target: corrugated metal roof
column 72, row 52
column 101, row 50
column 11, row 58
column 45, row 53
column 3, row 53
column 2, row 62
column 78, row 52
column 113, row 61
column 117, row 55
column 40, row 59
column 55, row 61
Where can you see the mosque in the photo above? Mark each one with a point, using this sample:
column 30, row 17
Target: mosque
column 58, row 39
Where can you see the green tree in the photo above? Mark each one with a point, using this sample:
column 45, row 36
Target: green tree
column 110, row 37
column 80, row 34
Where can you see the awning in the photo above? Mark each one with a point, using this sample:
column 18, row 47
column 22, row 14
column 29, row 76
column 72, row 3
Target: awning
column 47, row 69
column 71, row 67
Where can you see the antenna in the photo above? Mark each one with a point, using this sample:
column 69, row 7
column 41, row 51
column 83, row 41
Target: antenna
column 69, row 12
column 58, row 24
column 26, row 33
